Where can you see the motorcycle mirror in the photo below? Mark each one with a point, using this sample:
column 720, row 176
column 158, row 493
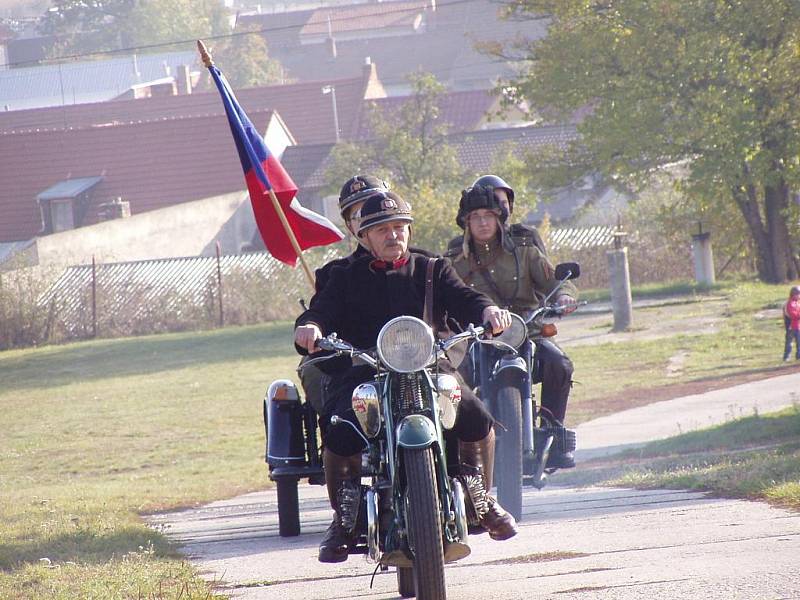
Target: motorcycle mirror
column 570, row 270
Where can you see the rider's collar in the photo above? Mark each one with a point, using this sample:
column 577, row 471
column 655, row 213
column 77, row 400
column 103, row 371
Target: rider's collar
column 382, row 265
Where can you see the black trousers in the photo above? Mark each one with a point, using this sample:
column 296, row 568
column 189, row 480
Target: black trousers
column 473, row 421
column 554, row 371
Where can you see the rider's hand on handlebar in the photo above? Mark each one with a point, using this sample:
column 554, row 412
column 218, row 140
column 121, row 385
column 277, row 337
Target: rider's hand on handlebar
column 306, row 336
column 497, row 317
column 568, row 302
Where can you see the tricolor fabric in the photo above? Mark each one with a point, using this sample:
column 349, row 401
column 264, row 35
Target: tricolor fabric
column 262, row 172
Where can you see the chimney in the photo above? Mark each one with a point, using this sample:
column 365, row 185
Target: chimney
column 183, row 80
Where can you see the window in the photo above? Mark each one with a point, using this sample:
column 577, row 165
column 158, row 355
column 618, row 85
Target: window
column 61, row 214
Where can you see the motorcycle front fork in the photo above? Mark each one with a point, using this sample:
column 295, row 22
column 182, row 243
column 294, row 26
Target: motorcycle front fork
column 486, row 366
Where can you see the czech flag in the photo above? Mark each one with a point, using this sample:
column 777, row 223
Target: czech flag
column 262, row 172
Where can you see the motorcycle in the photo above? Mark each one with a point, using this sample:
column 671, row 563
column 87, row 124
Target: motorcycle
column 505, row 368
column 411, row 514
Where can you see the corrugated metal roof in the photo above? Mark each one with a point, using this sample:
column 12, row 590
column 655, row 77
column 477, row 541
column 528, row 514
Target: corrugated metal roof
column 81, row 82
column 132, row 290
column 69, row 188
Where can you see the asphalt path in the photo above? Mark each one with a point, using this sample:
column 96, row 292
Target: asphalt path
column 582, row 543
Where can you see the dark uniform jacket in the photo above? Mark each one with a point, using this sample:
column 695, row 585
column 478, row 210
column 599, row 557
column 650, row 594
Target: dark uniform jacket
column 360, row 298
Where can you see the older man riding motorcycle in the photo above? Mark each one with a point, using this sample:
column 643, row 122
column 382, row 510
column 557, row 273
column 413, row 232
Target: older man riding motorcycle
column 513, row 272
column 358, row 299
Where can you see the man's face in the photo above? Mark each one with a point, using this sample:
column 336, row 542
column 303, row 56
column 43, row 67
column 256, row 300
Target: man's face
column 349, row 214
column 502, row 199
column 482, row 224
column 389, row 241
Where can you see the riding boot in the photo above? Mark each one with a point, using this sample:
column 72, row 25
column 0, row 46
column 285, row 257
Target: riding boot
column 340, row 471
column 477, row 459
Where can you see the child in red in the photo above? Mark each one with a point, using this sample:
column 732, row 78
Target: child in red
column 791, row 315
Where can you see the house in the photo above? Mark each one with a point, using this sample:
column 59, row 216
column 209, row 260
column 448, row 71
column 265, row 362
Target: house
column 402, row 37
column 308, row 112
column 88, row 81
column 104, row 189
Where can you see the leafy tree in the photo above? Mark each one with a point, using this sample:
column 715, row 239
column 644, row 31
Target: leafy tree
column 410, row 151
column 708, row 84
column 98, row 25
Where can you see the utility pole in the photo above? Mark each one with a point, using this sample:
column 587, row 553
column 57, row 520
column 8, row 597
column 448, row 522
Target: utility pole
column 330, row 89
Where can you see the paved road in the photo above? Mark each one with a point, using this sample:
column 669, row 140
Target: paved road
column 582, row 543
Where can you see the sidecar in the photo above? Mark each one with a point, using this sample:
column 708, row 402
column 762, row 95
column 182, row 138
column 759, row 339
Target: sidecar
column 292, row 450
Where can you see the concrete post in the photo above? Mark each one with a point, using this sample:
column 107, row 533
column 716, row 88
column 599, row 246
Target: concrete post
column 703, row 258
column 620, row 280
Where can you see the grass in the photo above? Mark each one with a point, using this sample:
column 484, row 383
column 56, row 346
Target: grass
column 756, row 457
column 101, row 432
column 97, row 433
column 741, row 343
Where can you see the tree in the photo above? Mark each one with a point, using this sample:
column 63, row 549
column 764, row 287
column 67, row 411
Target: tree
column 102, row 25
column 409, row 149
column 245, row 60
column 708, row 84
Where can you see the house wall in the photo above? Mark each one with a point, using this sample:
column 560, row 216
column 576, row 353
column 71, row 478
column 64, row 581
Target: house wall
column 188, row 229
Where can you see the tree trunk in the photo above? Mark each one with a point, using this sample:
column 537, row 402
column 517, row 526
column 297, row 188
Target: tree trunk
column 775, row 262
column 776, row 204
column 746, row 200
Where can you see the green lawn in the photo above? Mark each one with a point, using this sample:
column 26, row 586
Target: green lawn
column 96, row 433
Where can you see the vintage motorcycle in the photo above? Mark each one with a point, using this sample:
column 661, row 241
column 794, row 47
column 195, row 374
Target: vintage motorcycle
column 505, row 368
column 412, row 514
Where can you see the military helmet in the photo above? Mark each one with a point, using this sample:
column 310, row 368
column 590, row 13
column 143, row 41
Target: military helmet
column 495, row 182
column 382, row 207
column 357, row 188
column 475, row 197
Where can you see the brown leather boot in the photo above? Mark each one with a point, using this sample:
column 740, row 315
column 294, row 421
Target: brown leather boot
column 478, row 457
column 335, row 544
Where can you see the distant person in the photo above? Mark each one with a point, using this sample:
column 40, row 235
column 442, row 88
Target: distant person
column 791, row 318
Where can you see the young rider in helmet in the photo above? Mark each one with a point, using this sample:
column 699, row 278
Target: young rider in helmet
column 504, row 193
column 358, row 299
column 516, row 276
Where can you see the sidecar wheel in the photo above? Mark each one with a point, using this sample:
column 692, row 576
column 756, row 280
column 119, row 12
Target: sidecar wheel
column 424, row 524
column 288, row 507
column 508, row 453
column 405, row 582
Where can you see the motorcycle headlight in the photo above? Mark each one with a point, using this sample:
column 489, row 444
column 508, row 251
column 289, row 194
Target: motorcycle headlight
column 516, row 334
column 405, row 344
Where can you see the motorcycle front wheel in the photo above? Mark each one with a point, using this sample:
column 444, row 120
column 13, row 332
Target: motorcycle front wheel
column 424, row 525
column 508, row 450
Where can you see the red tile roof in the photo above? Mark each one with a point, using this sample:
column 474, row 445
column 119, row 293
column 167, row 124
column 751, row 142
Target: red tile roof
column 458, row 111
column 150, row 164
column 306, row 111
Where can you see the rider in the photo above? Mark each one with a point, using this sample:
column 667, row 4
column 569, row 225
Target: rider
column 505, row 197
column 516, row 275
column 357, row 301
column 354, row 191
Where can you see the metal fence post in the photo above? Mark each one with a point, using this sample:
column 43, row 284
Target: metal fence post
column 219, row 288
column 94, row 297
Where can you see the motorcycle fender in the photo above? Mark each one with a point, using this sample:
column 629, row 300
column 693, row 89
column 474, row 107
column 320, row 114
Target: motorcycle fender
column 416, row 431
column 508, row 362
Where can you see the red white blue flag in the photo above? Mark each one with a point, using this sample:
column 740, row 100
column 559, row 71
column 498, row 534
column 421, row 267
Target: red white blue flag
column 262, row 172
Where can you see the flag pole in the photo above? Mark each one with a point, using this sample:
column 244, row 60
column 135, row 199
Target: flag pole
column 208, row 62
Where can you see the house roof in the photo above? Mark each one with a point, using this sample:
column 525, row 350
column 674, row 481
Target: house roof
column 444, row 46
column 150, row 164
column 458, row 111
column 306, row 111
column 81, row 82
column 359, row 17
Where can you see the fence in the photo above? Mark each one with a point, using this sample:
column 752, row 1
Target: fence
column 175, row 294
